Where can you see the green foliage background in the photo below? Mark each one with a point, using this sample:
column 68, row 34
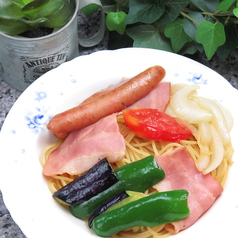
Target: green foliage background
column 179, row 26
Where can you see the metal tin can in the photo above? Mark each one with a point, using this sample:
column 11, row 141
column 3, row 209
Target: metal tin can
column 23, row 60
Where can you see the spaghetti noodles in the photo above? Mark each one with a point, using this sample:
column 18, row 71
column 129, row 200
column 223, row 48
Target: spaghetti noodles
column 138, row 148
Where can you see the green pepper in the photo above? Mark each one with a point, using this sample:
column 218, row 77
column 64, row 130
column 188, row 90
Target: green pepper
column 153, row 210
column 137, row 176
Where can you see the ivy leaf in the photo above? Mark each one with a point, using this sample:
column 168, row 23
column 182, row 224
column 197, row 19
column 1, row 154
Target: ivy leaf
column 189, row 48
column 116, row 41
column 206, row 5
column 211, row 36
column 147, row 36
column 116, row 21
column 90, row 9
column 176, row 33
column 144, row 11
column 190, row 27
column 115, row 5
column 225, row 5
column 172, row 10
column 235, row 12
column 231, row 41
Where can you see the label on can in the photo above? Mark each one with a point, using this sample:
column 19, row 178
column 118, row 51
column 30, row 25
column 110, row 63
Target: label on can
column 34, row 67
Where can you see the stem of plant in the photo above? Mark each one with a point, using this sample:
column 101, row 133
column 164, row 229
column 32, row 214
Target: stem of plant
column 188, row 17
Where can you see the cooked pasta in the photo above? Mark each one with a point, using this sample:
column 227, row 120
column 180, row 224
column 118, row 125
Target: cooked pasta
column 200, row 148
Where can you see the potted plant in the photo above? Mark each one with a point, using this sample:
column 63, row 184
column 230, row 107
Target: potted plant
column 19, row 16
column 24, row 59
column 35, row 36
column 183, row 27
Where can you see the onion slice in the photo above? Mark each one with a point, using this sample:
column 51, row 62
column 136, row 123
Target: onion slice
column 186, row 109
column 217, row 149
column 227, row 115
column 203, row 161
column 218, row 119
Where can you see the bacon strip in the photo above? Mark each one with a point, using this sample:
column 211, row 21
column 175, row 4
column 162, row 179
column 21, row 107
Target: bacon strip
column 181, row 173
column 158, row 98
column 85, row 147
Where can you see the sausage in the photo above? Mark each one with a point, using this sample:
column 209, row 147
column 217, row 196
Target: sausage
column 90, row 98
column 100, row 93
column 107, row 103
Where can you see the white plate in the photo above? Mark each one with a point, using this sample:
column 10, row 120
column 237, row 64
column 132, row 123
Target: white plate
column 24, row 136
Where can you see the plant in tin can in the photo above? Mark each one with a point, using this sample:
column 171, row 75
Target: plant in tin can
column 19, row 16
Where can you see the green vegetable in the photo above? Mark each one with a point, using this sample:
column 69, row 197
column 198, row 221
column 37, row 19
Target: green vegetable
column 153, row 210
column 106, row 205
column 137, row 176
column 18, row 16
column 183, row 27
column 140, row 175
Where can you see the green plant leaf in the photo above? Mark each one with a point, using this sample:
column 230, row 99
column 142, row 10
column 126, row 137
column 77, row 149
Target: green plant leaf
column 190, row 27
column 231, row 41
column 9, row 10
column 206, row 5
column 116, row 41
column 58, row 12
column 176, row 33
column 110, row 8
column 33, row 7
column 33, row 23
column 211, row 36
column 122, row 3
column 235, row 12
column 116, row 21
column 172, row 10
column 144, row 11
column 21, row 3
column 147, row 36
column 90, row 9
column 189, row 48
column 225, row 5
column 8, row 14
column 12, row 27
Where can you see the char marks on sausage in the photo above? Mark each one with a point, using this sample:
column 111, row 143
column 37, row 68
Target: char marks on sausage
column 84, row 147
column 181, row 173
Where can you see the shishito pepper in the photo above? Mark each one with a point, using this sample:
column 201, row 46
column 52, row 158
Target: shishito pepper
column 137, row 176
column 157, row 209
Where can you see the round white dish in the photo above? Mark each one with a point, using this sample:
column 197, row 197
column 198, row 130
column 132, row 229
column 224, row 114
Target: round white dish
column 24, row 136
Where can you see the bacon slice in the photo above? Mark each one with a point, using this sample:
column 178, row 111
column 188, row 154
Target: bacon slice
column 181, row 173
column 158, row 98
column 85, row 147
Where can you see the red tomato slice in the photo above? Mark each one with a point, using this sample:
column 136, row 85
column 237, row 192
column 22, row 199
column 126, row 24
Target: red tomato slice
column 155, row 125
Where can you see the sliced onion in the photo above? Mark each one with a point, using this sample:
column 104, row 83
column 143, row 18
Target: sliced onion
column 218, row 119
column 176, row 87
column 191, row 127
column 203, row 161
column 205, row 133
column 218, row 151
column 227, row 115
column 170, row 111
column 187, row 109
